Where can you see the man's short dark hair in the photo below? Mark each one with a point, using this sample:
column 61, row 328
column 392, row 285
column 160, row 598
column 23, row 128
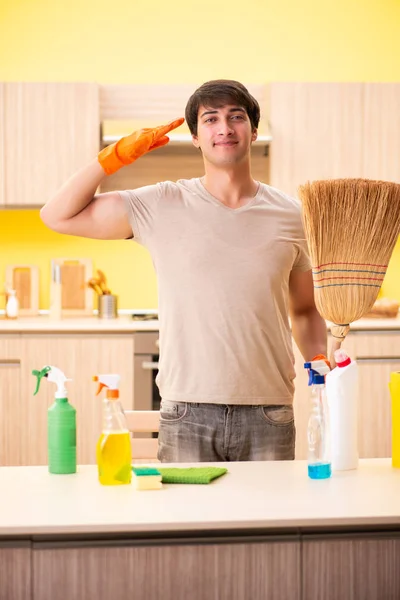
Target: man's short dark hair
column 218, row 93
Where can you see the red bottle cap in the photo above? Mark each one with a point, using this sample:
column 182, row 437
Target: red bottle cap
column 341, row 358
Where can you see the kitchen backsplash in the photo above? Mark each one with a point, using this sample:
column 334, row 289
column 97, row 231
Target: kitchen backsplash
column 24, row 239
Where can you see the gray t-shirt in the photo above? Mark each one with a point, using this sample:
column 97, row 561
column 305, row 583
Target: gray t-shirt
column 223, row 290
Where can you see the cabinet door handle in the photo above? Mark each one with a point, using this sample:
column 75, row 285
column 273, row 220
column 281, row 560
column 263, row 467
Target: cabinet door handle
column 10, row 362
column 378, row 359
column 149, row 366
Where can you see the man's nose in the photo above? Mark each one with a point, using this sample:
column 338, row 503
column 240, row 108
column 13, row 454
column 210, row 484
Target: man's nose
column 225, row 128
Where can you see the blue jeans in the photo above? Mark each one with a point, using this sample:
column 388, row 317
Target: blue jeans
column 197, row 432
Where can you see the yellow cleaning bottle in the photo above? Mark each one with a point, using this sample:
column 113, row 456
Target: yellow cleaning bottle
column 113, row 451
column 394, row 387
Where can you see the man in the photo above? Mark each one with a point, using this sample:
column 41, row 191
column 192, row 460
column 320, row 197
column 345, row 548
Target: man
column 232, row 265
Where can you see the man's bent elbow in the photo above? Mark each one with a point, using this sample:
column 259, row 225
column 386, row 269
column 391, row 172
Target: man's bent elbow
column 49, row 220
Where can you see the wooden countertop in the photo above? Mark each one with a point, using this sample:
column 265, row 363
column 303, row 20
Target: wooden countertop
column 125, row 324
column 43, row 324
column 253, row 495
column 374, row 325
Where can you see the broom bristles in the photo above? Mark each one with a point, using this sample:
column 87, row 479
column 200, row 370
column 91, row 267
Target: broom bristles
column 351, row 227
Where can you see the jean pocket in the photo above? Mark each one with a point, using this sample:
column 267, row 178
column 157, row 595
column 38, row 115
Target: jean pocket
column 279, row 415
column 172, row 412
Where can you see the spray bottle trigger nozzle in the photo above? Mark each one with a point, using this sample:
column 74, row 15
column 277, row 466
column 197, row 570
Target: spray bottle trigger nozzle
column 53, row 375
column 109, row 381
column 39, row 374
column 101, row 386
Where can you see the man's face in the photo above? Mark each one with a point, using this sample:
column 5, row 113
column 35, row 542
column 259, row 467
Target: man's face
column 224, row 134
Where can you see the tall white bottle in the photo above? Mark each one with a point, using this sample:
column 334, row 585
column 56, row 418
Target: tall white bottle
column 342, row 391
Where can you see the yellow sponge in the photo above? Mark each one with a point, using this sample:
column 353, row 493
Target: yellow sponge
column 146, row 478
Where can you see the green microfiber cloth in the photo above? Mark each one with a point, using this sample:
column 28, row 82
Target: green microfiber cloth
column 191, row 474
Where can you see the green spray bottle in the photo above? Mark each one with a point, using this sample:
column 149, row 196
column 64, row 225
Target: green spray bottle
column 61, row 424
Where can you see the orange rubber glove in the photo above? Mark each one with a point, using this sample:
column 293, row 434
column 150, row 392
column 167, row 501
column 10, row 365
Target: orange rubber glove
column 130, row 148
column 322, row 357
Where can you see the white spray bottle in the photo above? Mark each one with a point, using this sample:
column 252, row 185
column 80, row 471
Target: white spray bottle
column 318, row 431
column 342, row 392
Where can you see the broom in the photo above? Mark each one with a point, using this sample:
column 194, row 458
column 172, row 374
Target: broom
column 351, row 226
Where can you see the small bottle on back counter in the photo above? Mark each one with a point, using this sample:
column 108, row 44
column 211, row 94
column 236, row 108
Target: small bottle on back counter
column 12, row 304
column 113, row 450
column 318, row 431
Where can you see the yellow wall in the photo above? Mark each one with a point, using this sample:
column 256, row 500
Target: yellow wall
column 146, row 41
column 128, row 267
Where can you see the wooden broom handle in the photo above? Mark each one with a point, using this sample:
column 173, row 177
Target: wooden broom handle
column 336, row 344
column 339, row 333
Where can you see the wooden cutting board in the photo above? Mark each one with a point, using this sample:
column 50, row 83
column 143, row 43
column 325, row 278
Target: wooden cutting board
column 76, row 297
column 25, row 280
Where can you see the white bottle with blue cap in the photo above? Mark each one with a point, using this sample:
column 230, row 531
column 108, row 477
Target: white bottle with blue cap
column 318, row 431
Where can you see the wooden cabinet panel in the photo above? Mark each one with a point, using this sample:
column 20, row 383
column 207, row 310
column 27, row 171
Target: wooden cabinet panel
column 15, row 571
column 377, row 355
column 381, row 124
column 377, row 344
column 333, row 130
column 11, row 409
column 317, row 132
column 260, row 571
column 11, row 452
column 153, row 104
column 80, row 357
column 50, row 131
column 344, row 569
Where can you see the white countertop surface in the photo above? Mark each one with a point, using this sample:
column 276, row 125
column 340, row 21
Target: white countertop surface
column 125, row 324
column 250, row 495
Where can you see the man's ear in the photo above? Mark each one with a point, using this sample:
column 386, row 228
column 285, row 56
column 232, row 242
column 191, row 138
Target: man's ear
column 195, row 141
column 254, row 135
